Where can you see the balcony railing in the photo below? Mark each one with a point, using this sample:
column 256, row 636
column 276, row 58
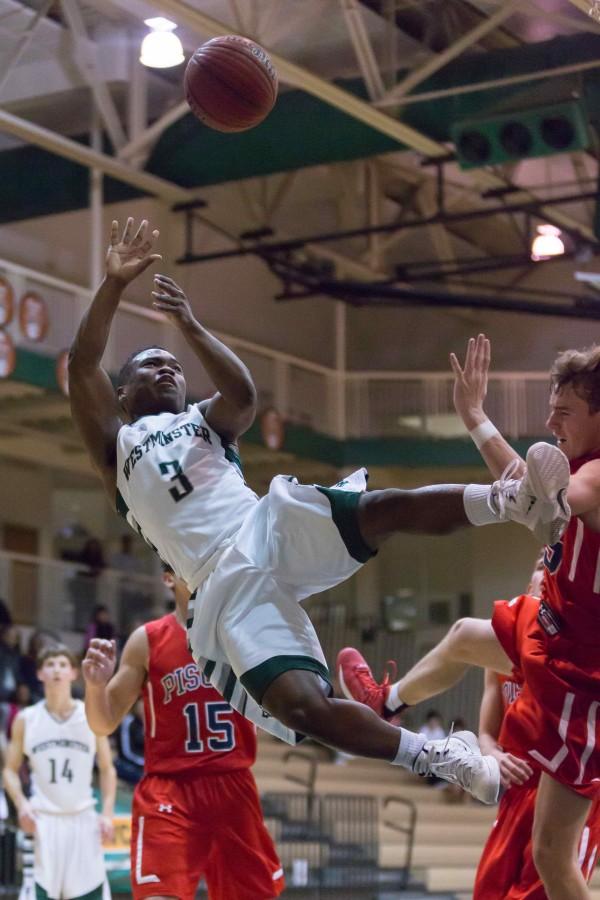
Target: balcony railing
column 58, row 596
column 343, row 404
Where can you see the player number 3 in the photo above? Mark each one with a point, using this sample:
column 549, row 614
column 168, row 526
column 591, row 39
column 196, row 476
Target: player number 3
column 182, row 486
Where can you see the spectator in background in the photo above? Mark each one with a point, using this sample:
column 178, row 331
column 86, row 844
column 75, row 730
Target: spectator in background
column 433, row 726
column 130, row 745
column 10, row 655
column 99, row 626
column 28, row 662
column 133, row 600
column 83, row 586
column 5, row 616
column 92, row 556
column 124, row 559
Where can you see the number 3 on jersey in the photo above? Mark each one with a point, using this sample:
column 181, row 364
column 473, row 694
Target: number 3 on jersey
column 183, row 486
column 219, row 729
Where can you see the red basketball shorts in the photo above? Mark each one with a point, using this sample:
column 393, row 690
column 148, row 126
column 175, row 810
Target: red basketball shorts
column 186, row 827
column 506, row 870
column 555, row 722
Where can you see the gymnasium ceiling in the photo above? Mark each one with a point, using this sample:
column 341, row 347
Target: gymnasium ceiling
column 360, row 138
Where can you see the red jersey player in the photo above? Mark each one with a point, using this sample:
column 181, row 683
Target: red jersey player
column 196, row 811
column 556, row 645
column 506, row 870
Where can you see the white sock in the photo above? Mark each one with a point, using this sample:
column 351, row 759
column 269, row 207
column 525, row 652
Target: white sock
column 393, row 699
column 409, row 748
column 477, row 507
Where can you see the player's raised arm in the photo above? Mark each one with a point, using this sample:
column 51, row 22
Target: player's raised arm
column 109, row 697
column 93, row 401
column 470, row 389
column 232, row 409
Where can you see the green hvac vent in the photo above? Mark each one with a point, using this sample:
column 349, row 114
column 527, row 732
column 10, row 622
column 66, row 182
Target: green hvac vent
column 543, row 131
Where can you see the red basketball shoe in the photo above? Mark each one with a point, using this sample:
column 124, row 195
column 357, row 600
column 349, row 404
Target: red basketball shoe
column 357, row 682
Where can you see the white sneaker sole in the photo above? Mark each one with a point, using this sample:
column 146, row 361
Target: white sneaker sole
column 486, row 790
column 547, row 470
column 548, row 474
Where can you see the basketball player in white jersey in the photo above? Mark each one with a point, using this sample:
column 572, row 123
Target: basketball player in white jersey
column 173, row 472
column 60, row 747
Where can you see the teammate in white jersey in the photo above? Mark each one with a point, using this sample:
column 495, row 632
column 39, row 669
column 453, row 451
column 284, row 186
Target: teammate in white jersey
column 173, row 473
column 61, row 747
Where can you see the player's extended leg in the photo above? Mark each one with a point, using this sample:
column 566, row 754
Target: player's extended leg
column 537, row 500
column 298, row 699
column 470, row 642
column 560, row 816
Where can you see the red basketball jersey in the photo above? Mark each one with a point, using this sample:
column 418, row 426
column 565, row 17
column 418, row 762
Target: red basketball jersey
column 188, row 724
column 511, row 689
column 572, row 577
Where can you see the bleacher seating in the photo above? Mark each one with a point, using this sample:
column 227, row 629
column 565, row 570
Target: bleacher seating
column 448, row 837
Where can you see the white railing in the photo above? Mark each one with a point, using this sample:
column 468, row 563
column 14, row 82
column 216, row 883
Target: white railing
column 374, row 404
column 60, row 596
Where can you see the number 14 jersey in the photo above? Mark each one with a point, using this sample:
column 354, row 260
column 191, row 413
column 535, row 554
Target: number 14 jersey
column 181, row 487
column 188, row 725
column 61, row 755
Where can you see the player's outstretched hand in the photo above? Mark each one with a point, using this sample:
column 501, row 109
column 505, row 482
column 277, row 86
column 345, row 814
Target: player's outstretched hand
column 130, row 254
column 100, row 661
column 107, row 829
column 512, row 769
column 27, row 817
column 471, row 380
column 170, row 299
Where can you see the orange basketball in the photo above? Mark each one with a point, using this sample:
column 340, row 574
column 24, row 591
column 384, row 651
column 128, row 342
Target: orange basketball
column 230, row 83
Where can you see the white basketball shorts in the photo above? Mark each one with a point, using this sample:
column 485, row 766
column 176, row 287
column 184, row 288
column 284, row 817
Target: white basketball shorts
column 245, row 619
column 68, row 861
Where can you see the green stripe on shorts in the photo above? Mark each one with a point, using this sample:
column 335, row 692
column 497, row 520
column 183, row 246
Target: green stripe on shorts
column 257, row 680
column 96, row 894
column 344, row 505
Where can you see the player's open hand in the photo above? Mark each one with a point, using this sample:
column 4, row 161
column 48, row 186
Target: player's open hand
column 130, row 254
column 100, row 661
column 512, row 769
column 172, row 301
column 27, row 817
column 107, row 829
column 471, row 380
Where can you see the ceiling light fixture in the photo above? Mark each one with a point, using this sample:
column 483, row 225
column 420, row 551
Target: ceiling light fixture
column 161, row 48
column 547, row 243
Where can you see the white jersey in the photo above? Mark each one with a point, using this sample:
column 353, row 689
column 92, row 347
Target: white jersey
column 181, row 486
column 61, row 754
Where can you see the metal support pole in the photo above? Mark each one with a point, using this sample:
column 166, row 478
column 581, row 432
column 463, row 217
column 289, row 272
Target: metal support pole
column 96, row 203
column 22, row 43
column 340, row 370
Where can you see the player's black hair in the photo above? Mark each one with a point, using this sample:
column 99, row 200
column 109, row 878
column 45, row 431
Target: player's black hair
column 127, row 367
column 166, row 568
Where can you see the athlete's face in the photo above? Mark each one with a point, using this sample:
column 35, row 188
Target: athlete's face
column 57, row 670
column 576, row 429
column 156, row 385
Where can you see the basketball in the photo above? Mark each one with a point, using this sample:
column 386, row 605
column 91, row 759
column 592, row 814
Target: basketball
column 230, row 83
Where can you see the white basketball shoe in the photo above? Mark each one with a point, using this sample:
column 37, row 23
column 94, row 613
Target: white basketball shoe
column 457, row 759
column 538, row 500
